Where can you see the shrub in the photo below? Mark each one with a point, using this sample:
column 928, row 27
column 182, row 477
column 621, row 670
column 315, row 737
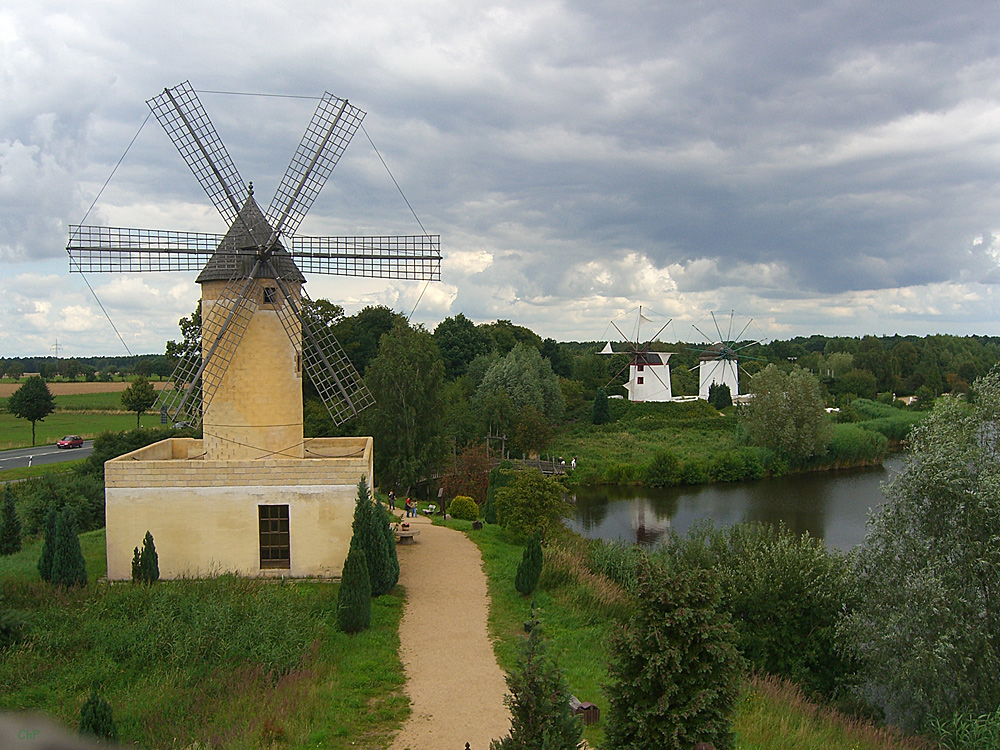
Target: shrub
column 463, row 508
column 531, row 504
column 68, row 566
column 695, row 471
column 664, row 471
column 12, row 628
column 675, row 671
column 48, row 546
column 541, row 718
column 146, row 564
column 10, row 525
column 354, row 600
column 530, row 568
column 82, row 492
column 96, row 719
column 785, row 594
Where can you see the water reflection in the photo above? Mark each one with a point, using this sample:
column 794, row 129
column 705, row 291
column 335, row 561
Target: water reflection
column 833, row 506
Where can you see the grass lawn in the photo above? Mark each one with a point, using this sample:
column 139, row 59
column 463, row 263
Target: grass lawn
column 228, row 663
column 27, row 472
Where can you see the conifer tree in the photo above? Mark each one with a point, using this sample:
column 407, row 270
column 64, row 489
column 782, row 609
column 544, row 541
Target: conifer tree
column 149, row 563
column 68, row 566
column 354, row 600
column 602, row 412
column 96, row 719
column 136, row 566
column 540, row 714
column 49, row 545
column 530, row 567
column 10, row 525
column 675, row 670
column 379, row 547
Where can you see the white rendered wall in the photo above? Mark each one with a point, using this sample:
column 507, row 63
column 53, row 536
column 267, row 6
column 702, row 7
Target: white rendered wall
column 655, row 385
column 724, row 371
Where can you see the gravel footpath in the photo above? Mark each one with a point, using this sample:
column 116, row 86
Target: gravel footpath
column 453, row 681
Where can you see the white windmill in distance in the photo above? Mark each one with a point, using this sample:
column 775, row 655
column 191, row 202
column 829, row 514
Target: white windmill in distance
column 649, row 371
column 719, row 356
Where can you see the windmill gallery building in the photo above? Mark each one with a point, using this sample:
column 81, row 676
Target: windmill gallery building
column 253, row 496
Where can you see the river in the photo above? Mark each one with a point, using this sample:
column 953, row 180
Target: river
column 830, row 505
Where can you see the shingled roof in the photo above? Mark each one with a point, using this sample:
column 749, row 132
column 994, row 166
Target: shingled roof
column 238, row 250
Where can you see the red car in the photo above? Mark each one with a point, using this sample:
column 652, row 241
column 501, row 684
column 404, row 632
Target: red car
column 70, row 441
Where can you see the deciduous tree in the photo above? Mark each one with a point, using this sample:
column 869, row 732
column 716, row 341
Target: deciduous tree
column 786, row 413
column 407, row 420
column 138, row 397
column 32, row 401
column 927, row 626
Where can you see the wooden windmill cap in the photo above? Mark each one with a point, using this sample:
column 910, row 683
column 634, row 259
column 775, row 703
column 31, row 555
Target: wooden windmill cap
column 238, row 251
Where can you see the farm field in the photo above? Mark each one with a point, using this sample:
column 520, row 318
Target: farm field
column 7, row 387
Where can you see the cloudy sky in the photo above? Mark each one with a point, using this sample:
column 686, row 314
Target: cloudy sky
column 819, row 167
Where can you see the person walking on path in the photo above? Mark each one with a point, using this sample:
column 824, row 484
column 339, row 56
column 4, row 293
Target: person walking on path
column 454, row 683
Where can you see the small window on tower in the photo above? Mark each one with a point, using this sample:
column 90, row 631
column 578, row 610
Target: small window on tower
column 639, row 367
column 639, row 381
column 270, row 296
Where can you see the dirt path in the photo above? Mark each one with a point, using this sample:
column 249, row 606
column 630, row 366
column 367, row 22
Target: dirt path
column 455, row 687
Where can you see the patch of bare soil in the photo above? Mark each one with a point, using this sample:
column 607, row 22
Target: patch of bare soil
column 455, row 686
column 69, row 389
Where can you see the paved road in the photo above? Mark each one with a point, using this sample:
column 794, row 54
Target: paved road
column 43, row 454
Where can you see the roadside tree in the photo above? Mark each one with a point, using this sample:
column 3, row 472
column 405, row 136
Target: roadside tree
column 32, row 401
column 927, row 628
column 139, row 397
column 786, row 414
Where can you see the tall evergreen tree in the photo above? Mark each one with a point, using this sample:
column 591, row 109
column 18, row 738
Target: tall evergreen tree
column 602, row 412
column 530, row 568
column 68, row 566
column 540, row 714
column 675, row 670
column 379, row 547
column 149, row 562
column 49, row 545
column 354, row 600
column 10, row 525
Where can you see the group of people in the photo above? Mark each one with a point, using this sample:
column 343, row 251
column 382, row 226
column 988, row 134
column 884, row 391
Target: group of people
column 410, row 504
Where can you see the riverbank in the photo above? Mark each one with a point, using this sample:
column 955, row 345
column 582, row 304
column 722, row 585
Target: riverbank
column 661, row 445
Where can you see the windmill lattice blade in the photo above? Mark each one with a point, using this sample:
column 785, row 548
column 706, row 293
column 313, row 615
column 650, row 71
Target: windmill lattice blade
column 182, row 400
column 403, row 257
column 181, row 114
column 336, row 381
column 332, row 126
column 101, row 249
column 195, row 376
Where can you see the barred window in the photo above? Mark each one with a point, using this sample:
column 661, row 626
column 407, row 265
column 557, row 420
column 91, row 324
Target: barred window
column 275, row 551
